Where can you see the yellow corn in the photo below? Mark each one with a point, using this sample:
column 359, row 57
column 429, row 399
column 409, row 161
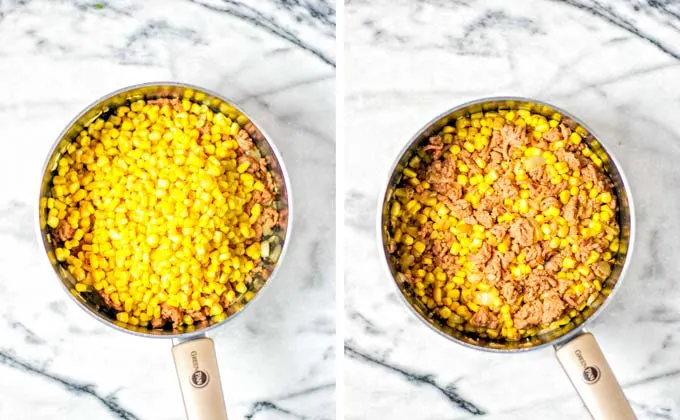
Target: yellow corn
column 568, row 263
column 593, row 257
column 565, row 196
column 445, row 313
column 614, row 246
column 523, row 205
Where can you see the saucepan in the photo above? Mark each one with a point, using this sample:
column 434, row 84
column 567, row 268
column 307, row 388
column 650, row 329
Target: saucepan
column 575, row 347
column 193, row 351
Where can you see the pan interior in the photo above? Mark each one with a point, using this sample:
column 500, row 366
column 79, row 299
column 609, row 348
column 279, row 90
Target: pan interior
column 544, row 337
column 91, row 300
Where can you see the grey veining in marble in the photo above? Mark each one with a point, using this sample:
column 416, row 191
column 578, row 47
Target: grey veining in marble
column 277, row 60
column 615, row 64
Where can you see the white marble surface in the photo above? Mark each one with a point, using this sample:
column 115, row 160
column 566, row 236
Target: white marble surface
column 276, row 59
column 616, row 64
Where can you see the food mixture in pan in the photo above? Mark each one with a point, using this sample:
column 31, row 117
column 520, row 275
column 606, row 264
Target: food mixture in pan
column 167, row 210
column 504, row 225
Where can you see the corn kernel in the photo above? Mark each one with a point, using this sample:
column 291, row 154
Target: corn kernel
column 568, row 263
column 565, row 196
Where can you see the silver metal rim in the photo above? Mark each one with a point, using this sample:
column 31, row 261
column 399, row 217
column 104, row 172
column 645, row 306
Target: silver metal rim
column 286, row 180
column 559, row 340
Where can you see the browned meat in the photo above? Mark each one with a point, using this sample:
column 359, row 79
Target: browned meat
column 197, row 316
column 470, row 220
column 602, row 269
column 257, row 227
column 171, row 313
column 484, row 218
column 496, row 156
column 548, row 202
column 522, row 232
column 469, row 161
column 244, row 141
column 571, row 210
column 174, row 103
column 585, row 208
column 489, row 202
column 563, row 285
column 425, row 230
column 158, row 322
column 492, row 271
column 534, row 254
column 565, row 131
column 529, row 315
column 64, row 232
column 460, row 209
column 546, row 250
column 573, row 230
column 536, row 283
column 553, row 135
column 569, row 158
column 538, row 174
column 483, row 318
column 499, row 231
column 507, row 258
column 574, row 301
column 442, row 175
column 510, row 291
column 514, row 136
column 435, row 146
column 254, row 165
column 498, row 210
column 270, row 218
column 443, row 245
column 586, row 247
column 205, row 128
column 506, row 188
column 553, row 265
column 481, row 256
column 265, row 197
column 589, row 173
column 109, row 302
column 283, row 218
column 552, row 307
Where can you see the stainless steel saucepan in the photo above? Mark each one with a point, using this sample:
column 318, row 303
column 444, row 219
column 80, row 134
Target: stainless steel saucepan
column 576, row 349
column 193, row 352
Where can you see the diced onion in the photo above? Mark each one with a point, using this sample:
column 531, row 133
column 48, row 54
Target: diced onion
column 264, row 249
column 484, row 298
column 534, row 162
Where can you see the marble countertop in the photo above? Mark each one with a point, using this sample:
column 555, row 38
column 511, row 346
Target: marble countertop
column 274, row 58
column 616, row 64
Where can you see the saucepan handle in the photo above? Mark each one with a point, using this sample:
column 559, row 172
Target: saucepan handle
column 583, row 361
column 199, row 379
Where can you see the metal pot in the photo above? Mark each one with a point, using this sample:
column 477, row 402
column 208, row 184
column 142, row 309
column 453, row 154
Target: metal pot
column 193, row 352
column 576, row 349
